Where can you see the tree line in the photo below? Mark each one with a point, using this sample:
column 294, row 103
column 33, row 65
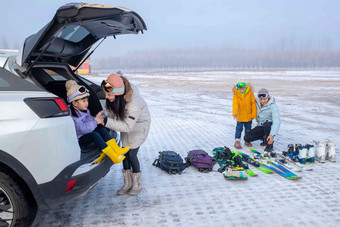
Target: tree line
column 220, row 58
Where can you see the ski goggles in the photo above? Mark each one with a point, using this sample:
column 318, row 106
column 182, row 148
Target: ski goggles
column 241, row 85
column 109, row 89
column 80, row 91
column 263, row 96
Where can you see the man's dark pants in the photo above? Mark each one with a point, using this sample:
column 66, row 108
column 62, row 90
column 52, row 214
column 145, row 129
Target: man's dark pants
column 259, row 132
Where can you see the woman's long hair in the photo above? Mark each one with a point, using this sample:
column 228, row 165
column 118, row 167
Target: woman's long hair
column 117, row 107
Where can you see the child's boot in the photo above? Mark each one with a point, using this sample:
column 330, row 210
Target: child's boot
column 127, row 174
column 321, row 152
column 331, row 151
column 113, row 155
column 237, row 144
column 119, row 151
column 100, row 158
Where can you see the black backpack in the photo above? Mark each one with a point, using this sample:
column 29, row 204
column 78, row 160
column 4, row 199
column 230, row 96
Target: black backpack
column 170, row 162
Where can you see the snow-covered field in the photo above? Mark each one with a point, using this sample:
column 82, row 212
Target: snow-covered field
column 192, row 110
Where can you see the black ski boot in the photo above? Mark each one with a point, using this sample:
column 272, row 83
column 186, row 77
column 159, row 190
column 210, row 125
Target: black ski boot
column 264, row 141
column 238, row 162
column 250, row 161
column 290, row 150
column 269, row 147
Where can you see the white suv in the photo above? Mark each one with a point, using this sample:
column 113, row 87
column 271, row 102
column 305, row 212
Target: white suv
column 41, row 162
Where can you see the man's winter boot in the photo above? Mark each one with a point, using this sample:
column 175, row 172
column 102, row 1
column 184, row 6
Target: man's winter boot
column 264, row 141
column 248, row 144
column 310, row 153
column 136, row 184
column 119, row 150
column 269, row 147
column 331, row 151
column 127, row 174
column 321, row 152
column 303, row 155
column 237, row 144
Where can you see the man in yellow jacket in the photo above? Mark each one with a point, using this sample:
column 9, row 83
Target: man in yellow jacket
column 244, row 110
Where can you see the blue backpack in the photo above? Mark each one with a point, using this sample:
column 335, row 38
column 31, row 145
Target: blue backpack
column 170, row 162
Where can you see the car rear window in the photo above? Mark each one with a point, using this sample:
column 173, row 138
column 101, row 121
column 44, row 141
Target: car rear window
column 11, row 82
column 73, row 33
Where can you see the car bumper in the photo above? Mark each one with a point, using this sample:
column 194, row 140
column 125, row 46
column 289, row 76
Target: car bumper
column 54, row 192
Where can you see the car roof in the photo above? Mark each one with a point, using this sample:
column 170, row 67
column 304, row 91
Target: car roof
column 74, row 29
column 5, row 54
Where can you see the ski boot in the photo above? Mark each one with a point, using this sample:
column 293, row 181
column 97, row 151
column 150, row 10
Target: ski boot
column 310, row 153
column 290, row 151
column 269, row 154
column 302, row 155
column 238, row 162
column 330, row 151
column 235, row 173
column 251, row 161
column 321, row 152
column 296, row 152
column 269, row 147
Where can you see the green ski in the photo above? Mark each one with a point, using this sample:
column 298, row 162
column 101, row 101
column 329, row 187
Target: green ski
column 255, row 163
column 283, row 171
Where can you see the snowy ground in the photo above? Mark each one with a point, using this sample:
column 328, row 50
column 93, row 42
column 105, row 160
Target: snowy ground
column 192, row 110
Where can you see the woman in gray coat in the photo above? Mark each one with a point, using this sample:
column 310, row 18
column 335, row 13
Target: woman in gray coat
column 128, row 113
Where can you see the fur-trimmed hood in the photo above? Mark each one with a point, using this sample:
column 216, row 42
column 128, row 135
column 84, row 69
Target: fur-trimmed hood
column 129, row 91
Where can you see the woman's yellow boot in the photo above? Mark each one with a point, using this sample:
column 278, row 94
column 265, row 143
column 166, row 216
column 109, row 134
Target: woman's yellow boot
column 112, row 155
column 119, row 150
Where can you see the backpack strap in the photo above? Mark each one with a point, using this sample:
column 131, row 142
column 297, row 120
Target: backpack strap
column 157, row 161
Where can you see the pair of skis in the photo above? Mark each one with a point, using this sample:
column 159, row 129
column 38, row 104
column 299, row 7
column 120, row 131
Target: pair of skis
column 291, row 164
column 275, row 166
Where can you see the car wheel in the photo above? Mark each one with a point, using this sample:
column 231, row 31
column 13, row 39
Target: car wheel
column 16, row 208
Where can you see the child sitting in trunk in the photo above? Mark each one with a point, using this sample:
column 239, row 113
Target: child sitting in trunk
column 89, row 128
column 244, row 110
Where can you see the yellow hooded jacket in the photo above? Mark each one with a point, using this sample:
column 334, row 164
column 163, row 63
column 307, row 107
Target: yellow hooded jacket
column 244, row 105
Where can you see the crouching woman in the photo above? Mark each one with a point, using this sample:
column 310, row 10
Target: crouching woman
column 128, row 113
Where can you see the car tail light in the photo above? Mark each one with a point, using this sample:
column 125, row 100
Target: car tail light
column 70, row 185
column 48, row 107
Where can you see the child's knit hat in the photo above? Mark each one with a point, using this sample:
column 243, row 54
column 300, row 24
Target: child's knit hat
column 74, row 91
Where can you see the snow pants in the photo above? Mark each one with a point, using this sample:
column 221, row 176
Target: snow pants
column 258, row 133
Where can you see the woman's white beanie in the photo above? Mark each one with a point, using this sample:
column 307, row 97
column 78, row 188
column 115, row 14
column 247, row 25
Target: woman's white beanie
column 71, row 88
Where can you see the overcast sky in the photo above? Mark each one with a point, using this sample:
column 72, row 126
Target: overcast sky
column 195, row 23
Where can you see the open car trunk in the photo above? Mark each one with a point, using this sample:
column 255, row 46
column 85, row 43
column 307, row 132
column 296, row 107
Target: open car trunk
column 74, row 29
column 52, row 77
